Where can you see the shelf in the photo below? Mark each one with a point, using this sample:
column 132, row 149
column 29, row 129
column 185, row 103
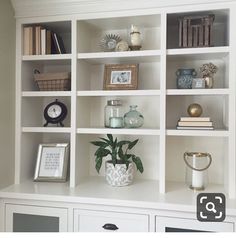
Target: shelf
column 47, row 129
column 46, row 57
column 46, row 94
column 119, row 93
column 215, row 91
column 123, row 131
column 162, row 104
column 199, row 53
column 211, row 133
column 121, row 57
column 95, row 190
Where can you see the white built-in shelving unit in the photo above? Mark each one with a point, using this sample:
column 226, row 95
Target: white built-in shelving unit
column 161, row 146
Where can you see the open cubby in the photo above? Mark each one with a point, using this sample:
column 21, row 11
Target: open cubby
column 220, row 33
column 91, row 110
column 213, row 107
column 47, row 66
column 61, row 28
column 34, row 108
column 176, row 147
column 175, row 62
column 91, row 32
column 147, row 149
column 29, row 149
column 91, row 76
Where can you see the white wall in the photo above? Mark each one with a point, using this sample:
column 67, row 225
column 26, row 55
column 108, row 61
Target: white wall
column 7, row 92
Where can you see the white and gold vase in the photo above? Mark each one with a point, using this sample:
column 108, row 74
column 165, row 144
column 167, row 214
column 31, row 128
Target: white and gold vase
column 119, row 175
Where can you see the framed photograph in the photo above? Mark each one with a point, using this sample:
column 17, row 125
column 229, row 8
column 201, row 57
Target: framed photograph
column 120, row 76
column 198, row 83
column 52, row 162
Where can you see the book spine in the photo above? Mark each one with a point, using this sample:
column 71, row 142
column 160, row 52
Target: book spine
column 26, row 37
column 57, row 43
column 37, row 40
column 185, row 33
column 43, row 41
column 48, row 42
column 31, row 41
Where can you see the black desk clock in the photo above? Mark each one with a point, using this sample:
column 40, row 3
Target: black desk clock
column 55, row 112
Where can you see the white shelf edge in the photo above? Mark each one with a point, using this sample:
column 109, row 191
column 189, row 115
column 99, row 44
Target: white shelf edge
column 204, row 50
column 47, row 57
column 100, row 55
column 119, row 93
column 211, row 133
column 213, row 91
column 153, row 132
column 46, row 94
column 47, row 129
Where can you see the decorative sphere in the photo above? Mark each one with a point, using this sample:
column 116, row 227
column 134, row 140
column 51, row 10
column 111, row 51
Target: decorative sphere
column 194, row 110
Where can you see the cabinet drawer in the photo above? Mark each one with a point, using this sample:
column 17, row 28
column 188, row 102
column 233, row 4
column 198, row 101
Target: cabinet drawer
column 27, row 218
column 175, row 224
column 95, row 221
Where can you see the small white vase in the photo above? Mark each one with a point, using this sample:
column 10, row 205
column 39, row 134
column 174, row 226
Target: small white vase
column 119, row 175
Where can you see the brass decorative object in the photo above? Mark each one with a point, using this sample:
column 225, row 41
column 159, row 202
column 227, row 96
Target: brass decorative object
column 194, row 110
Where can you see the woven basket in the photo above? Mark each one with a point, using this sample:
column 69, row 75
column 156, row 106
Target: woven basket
column 53, row 81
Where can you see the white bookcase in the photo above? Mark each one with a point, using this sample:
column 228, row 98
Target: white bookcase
column 161, row 146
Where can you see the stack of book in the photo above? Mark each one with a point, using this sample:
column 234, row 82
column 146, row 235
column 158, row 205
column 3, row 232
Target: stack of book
column 41, row 41
column 195, row 123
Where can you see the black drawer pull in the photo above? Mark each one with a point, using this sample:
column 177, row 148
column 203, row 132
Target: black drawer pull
column 111, row 227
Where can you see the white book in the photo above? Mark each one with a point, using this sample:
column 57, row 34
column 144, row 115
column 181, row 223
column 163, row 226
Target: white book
column 195, row 119
column 195, row 123
column 195, row 128
column 43, row 41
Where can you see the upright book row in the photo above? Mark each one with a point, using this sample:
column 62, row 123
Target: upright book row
column 41, row 41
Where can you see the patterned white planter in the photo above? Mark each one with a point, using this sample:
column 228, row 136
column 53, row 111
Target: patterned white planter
column 118, row 175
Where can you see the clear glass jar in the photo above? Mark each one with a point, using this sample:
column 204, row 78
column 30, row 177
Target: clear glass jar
column 133, row 118
column 113, row 114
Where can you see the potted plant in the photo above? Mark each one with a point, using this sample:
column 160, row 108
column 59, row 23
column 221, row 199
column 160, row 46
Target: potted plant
column 120, row 168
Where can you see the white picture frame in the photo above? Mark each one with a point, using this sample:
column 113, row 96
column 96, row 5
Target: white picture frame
column 52, row 162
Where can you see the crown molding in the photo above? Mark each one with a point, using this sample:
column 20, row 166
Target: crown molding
column 32, row 8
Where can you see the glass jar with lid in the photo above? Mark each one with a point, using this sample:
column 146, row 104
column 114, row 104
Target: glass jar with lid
column 113, row 114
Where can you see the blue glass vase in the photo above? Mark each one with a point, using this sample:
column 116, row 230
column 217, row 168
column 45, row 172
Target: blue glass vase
column 185, row 78
column 133, row 118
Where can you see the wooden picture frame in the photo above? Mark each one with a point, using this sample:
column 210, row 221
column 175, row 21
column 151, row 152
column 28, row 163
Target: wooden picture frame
column 120, row 77
column 52, row 162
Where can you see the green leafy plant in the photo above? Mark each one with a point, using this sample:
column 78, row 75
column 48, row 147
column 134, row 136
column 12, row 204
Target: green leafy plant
column 118, row 150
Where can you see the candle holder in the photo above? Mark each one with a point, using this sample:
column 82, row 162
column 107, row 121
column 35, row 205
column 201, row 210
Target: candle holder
column 196, row 170
column 135, row 38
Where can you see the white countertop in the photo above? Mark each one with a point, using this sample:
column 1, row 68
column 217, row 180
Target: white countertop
column 94, row 190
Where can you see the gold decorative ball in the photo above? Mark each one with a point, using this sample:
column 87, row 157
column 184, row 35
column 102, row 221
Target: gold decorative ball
column 194, row 110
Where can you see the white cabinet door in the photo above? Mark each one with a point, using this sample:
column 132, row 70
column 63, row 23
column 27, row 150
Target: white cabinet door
column 95, row 221
column 24, row 218
column 173, row 224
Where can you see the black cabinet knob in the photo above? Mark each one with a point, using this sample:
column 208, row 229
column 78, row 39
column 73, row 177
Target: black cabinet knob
column 111, row 227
